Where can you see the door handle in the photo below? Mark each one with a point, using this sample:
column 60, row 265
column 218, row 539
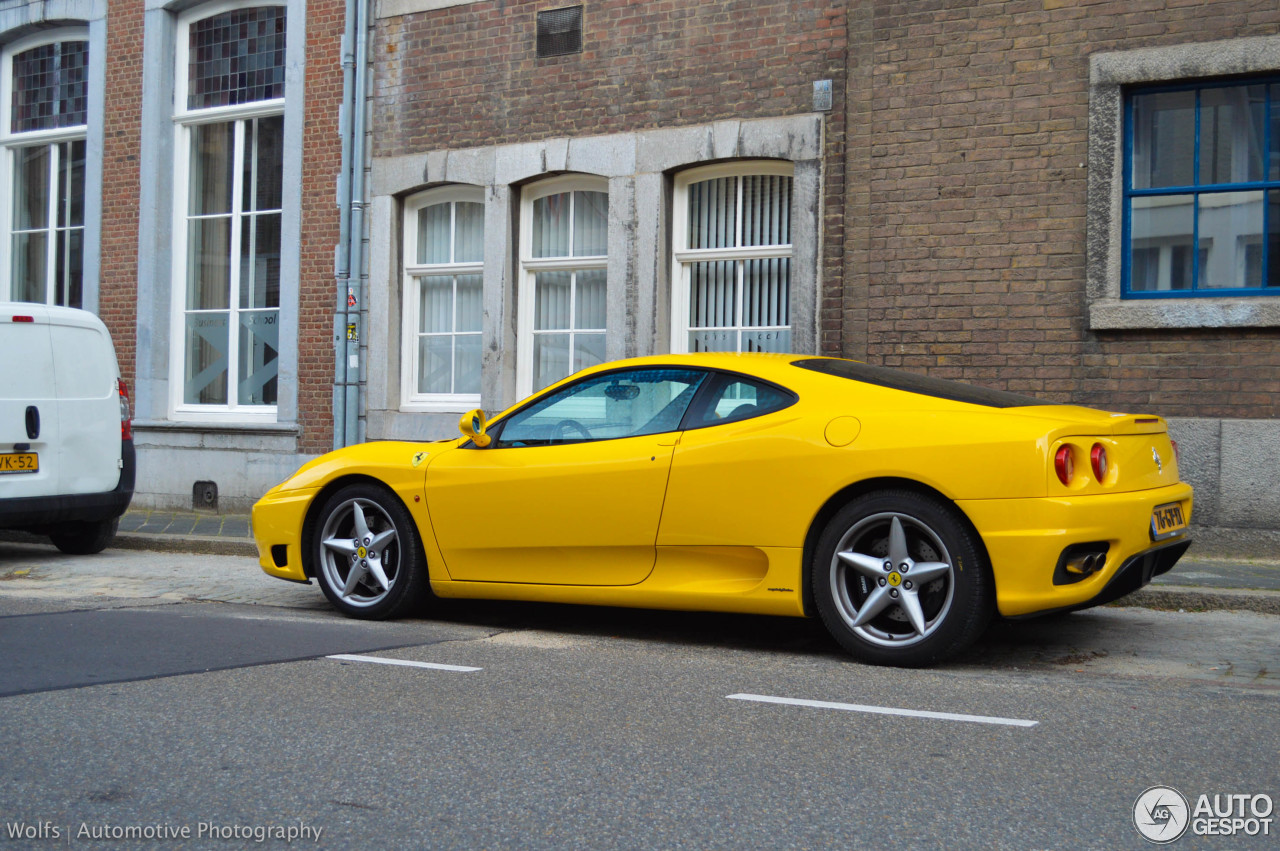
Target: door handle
column 33, row 422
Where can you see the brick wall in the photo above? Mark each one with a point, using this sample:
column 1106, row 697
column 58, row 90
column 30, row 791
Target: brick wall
column 321, row 163
column 118, row 290
column 972, row 252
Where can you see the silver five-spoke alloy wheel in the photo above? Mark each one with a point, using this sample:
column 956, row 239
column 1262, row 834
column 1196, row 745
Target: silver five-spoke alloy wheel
column 900, row 577
column 892, row 579
column 360, row 552
column 365, row 551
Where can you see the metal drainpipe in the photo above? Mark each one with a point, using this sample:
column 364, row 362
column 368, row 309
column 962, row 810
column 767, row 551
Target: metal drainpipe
column 355, row 359
column 342, row 252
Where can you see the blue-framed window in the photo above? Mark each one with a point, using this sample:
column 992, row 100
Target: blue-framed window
column 1202, row 190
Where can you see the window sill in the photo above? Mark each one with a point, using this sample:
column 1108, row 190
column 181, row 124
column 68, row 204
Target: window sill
column 1173, row 313
column 241, row 437
column 455, row 406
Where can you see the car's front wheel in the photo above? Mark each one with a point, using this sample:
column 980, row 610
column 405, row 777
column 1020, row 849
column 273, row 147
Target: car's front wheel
column 900, row 579
column 367, row 553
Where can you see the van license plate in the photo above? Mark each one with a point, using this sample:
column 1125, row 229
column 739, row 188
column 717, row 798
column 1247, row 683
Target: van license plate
column 19, row 462
column 1167, row 521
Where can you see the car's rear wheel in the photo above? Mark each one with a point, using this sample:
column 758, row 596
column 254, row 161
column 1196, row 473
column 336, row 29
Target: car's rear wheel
column 900, row 579
column 82, row 539
column 367, row 553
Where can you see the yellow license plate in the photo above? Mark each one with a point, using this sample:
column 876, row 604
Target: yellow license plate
column 1167, row 521
column 19, row 462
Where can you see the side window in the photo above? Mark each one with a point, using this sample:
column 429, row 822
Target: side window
column 604, row 407
column 736, row 399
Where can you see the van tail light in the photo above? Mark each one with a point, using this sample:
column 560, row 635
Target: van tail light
column 1098, row 459
column 1177, row 456
column 24, row 319
column 126, row 415
column 1064, row 464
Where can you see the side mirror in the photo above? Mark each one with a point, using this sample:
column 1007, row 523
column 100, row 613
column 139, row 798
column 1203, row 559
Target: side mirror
column 472, row 425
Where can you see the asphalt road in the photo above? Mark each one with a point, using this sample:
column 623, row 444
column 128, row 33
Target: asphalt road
column 147, row 691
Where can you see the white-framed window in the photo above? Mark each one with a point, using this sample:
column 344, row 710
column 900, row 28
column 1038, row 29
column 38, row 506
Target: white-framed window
column 443, row 305
column 229, row 94
column 44, row 89
column 731, row 274
column 564, row 247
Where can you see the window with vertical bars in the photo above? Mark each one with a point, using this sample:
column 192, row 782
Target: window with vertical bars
column 734, row 263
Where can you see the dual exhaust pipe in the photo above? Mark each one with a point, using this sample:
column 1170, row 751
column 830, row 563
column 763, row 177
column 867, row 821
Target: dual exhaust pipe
column 1080, row 561
column 1087, row 564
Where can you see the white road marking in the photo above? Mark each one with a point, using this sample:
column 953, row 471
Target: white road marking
column 435, row 666
column 885, row 710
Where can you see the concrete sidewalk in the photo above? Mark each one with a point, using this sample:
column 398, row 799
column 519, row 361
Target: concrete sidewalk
column 1194, row 584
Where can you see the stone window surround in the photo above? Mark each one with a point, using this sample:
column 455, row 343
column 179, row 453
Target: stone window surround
column 639, row 168
column 87, row 18
column 156, row 222
column 1109, row 74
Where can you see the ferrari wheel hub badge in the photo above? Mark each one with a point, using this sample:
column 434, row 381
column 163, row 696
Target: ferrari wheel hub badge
column 895, row 579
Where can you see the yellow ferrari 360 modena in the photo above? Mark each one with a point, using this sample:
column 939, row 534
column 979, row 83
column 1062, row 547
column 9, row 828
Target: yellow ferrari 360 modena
column 901, row 509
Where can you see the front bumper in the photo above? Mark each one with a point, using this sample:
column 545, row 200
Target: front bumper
column 277, row 530
column 1026, row 537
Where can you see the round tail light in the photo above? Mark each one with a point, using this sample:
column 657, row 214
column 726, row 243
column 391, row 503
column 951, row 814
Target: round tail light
column 1098, row 458
column 1064, row 464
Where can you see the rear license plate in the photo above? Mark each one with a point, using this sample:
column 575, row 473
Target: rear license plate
column 1167, row 521
column 19, row 462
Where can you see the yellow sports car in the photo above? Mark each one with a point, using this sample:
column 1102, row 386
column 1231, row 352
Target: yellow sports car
column 903, row 510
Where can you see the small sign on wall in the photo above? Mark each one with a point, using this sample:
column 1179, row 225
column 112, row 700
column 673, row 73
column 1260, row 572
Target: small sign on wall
column 821, row 95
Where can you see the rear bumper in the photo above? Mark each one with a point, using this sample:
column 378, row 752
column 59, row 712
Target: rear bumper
column 1132, row 575
column 39, row 513
column 1025, row 539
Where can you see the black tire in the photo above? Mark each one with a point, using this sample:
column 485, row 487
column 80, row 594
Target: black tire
column 84, row 539
column 879, row 611
column 389, row 542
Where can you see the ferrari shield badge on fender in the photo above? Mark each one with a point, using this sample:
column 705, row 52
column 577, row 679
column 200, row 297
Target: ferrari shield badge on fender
column 418, row 458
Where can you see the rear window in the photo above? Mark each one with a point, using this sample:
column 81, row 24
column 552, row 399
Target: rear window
column 924, row 385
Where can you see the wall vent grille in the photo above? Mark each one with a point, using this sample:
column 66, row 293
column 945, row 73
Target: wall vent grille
column 560, row 31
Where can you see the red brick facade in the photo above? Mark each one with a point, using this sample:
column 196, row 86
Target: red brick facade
column 320, row 166
column 118, row 290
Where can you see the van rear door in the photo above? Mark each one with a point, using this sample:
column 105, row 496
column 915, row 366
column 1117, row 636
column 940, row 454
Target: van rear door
column 88, row 405
column 28, row 404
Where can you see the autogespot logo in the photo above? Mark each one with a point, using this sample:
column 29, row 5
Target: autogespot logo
column 1161, row 814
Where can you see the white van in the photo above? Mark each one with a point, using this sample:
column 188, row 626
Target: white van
column 66, row 442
